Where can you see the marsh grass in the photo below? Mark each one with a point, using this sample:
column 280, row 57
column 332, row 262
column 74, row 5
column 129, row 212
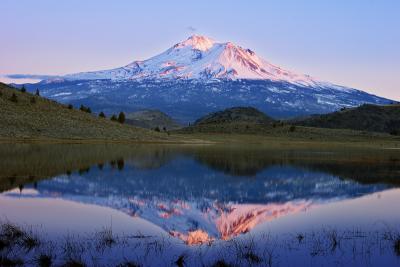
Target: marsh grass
column 181, row 261
column 221, row 263
column 396, row 246
column 10, row 262
column 44, row 260
column 128, row 264
column 106, row 238
column 21, row 246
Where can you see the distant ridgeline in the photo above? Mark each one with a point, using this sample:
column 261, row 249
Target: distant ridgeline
column 367, row 117
column 370, row 118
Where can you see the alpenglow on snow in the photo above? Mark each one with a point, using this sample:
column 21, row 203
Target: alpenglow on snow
column 198, row 76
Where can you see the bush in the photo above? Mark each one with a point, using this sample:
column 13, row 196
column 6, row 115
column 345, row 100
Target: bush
column 113, row 118
column 14, row 98
column 85, row 109
column 102, row 115
column 23, row 89
column 292, row 128
column 33, row 100
column 70, row 106
column 157, row 129
column 121, row 117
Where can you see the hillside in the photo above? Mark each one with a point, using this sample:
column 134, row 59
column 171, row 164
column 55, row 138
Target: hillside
column 232, row 120
column 367, row 117
column 235, row 114
column 34, row 117
column 151, row 119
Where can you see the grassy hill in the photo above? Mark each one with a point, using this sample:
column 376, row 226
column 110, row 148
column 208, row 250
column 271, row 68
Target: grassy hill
column 27, row 116
column 367, row 117
column 232, row 120
column 151, row 119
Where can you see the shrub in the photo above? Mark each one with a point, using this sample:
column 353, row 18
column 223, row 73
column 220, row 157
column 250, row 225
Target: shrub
column 44, row 260
column 33, row 100
column 394, row 132
column 102, row 115
column 70, row 106
column 157, row 129
column 85, row 109
column 113, row 117
column 121, row 117
column 23, row 89
column 14, row 98
column 292, row 128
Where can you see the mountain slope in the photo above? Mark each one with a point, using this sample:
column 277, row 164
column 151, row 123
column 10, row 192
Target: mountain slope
column 199, row 76
column 365, row 118
column 42, row 118
column 200, row 57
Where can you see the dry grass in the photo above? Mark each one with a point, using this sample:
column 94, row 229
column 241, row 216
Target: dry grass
column 46, row 119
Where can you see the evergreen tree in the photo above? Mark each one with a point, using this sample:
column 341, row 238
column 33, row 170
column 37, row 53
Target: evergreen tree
column 85, row 109
column 37, row 92
column 70, row 106
column 102, row 115
column 23, row 89
column 121, row 117
column 113, row 117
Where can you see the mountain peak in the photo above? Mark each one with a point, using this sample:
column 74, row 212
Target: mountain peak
column 200, row 57
column 199, row 42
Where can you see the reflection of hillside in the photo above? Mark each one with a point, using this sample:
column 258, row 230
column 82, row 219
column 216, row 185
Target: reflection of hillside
column 23, row 163
column 27, row 163
column 362, row 166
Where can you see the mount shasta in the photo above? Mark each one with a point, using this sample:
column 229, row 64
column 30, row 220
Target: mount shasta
column 198, row 76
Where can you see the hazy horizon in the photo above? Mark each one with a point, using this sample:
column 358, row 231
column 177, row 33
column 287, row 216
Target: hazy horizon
column 353, row 44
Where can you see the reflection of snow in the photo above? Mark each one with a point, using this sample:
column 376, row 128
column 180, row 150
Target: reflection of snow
column 195, row 221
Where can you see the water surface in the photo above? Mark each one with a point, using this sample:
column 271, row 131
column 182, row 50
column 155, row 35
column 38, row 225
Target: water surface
column 200, row 195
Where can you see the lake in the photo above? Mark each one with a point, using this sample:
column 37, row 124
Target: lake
column 199, row 205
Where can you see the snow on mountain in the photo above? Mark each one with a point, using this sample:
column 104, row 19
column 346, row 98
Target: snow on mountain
column 200, row 57
column 199, row 76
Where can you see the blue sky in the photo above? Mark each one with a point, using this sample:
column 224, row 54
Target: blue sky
column 354, row 43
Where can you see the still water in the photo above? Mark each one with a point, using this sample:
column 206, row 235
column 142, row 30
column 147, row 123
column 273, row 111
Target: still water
column 203, row 205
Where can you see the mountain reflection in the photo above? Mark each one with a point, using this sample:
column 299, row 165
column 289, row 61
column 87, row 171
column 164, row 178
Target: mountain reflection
column 196, row 193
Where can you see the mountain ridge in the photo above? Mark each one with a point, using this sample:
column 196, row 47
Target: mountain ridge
column 200, row 57
column 198, row 76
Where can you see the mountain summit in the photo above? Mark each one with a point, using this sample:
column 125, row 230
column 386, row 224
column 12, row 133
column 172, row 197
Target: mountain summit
column 199, row 76
column 200, row 57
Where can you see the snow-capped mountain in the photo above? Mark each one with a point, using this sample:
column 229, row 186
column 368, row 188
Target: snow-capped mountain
column 200, row 57
column 199, row 76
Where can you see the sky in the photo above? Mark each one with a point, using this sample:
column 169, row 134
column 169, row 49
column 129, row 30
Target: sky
column 348, row 42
